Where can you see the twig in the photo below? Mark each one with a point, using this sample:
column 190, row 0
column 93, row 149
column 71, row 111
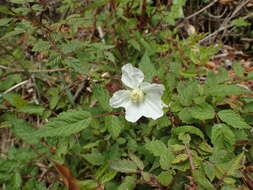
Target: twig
column 201, row 10
column 32, row 71
column 221, row 29
column 107, row 114
column 188, row 151
column 16, row 86
column 101, row 33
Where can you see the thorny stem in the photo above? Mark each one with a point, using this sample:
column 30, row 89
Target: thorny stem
column 188, row 151
column 107, row 114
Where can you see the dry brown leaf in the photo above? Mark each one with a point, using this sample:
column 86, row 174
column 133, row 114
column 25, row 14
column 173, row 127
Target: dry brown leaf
column 68, row 179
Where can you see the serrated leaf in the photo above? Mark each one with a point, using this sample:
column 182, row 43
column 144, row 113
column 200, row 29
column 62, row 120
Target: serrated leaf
column 156, row 147
column 95, row 158
column 76, row 65
column 15, row 100
column 222, row 136
column 240, row 22
column 180, row 158
column 108, row 177
column 128, row 183
column 165, row 178
column 188, row 129
column 102, row 96
column 134, row 44
column 137, row 161
column 202, row 112
column 187, row 91
column 185, row 116
column 24, row 130
column 41, row 46
column 147, row 67
column 233, row 119
column 166, row 159
column 32, row 109
column 124, row 166
column 210, row 171
column 235, row 164
column 114, row 125
column 65, row 124
column 201, row 180
column 214, row 79
column 225, row 90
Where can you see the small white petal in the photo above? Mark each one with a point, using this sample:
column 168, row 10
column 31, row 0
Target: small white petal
column 152, row 88
column 120, row 98
column 131, row 76
column 153, row 107
column 134, row 111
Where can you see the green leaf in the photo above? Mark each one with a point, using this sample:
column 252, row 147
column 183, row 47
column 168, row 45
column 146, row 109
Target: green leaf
column 239, row 70
column 235, row 164
column 165, row 178
column 114, row 125
column 124, row 166
column 187, row 91
column 21, row 1
column 24, row 130
column 176, row 12
column 210, row 171
column 5, row 10
column 95, row 158
column 5, row 21
column 32, row 109
column 233, row 119
column 156, row 147
column 65, row 124
column 202, row 112
column 128, row 183
column 202, row 180
column 17, row 180
column 225, row 90
column 222, row 136
column 147, row 67
column 166, row 160
column 188, row 129
column 214, row 79
column 41, row 46
column 185, row 116
column 137, row 161
column 240, row 22
column 76, row 65
column 102, row 96
column 15, row 100
column 135, row 44
column 108, row 177
column 180, row 158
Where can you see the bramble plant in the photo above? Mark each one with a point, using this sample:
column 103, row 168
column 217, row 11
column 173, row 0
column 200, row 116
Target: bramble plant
column 77, row 112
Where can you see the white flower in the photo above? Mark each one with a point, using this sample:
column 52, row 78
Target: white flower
column 144, row 99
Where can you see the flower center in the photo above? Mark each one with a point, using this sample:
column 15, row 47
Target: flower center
column 137, row 95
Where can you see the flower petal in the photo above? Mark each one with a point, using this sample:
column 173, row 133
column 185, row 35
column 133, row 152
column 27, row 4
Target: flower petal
column 153, row 107
column 131, row 76
column 134, row 111
column 120, row 98
column 156, row 89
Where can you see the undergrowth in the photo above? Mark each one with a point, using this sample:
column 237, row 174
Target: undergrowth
column 61, row 63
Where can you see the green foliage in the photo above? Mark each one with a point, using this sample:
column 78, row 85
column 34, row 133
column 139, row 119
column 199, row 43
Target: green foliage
column 67, row 123
column 61, row 63
column 233, row 119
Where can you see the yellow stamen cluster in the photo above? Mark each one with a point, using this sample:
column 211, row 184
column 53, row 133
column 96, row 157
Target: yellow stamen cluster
column 137, row 95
